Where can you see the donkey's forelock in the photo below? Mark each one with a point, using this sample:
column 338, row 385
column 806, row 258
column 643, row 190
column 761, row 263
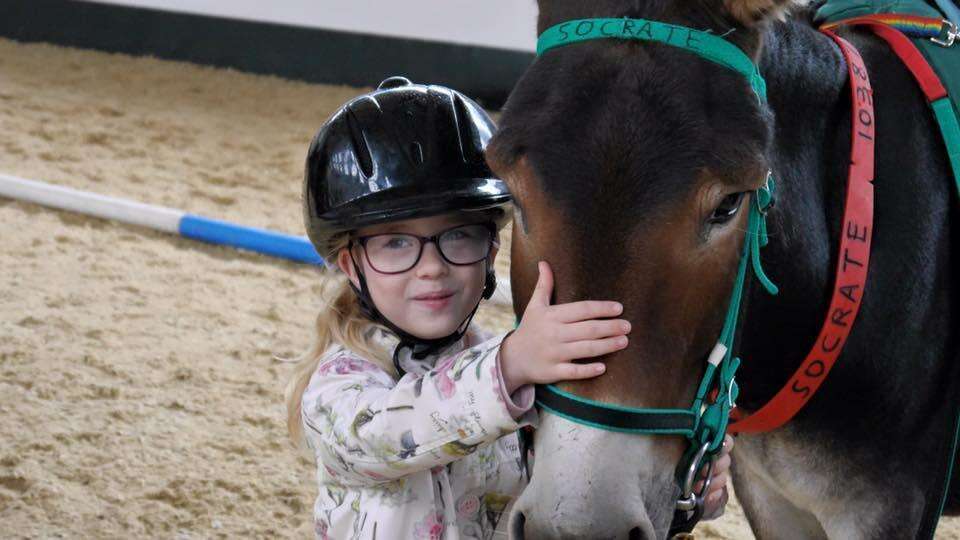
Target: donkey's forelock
column 752, row 12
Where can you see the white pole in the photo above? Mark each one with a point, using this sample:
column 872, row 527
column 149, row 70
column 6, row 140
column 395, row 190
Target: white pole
column 102, row 206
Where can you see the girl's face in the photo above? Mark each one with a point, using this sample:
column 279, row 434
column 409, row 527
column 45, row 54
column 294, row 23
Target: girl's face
column 434, row 297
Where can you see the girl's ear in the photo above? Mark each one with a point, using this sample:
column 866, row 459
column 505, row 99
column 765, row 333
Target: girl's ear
column 345, row 262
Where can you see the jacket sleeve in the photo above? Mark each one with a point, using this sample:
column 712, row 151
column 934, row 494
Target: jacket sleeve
column 366, row 428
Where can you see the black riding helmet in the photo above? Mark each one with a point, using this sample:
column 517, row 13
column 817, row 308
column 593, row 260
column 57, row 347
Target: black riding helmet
column 400, row 152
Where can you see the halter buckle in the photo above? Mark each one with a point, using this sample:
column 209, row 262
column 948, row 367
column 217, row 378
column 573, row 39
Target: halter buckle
column 948, row 34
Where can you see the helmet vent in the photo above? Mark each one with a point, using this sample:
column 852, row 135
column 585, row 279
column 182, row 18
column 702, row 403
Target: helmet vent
column 394, row 82
column 416, row 153
column 360, row 149
column 469, row 149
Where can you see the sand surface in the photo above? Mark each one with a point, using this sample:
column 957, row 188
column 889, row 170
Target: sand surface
column 140, row 391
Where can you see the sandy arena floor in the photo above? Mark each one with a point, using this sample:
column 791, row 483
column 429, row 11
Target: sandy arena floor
column 140, row 394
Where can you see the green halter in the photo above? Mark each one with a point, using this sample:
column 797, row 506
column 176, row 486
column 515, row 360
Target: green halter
column 709, row 46
column 705, row 422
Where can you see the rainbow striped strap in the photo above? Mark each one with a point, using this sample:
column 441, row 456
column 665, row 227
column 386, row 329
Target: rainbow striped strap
column 940, row 31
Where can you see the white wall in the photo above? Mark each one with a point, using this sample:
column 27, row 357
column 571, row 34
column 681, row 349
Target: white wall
column 507, row 24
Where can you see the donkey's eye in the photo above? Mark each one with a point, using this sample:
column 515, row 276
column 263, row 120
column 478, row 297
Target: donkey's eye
column 728, row 208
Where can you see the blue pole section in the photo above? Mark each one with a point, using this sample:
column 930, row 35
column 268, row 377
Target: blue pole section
column 296, row 248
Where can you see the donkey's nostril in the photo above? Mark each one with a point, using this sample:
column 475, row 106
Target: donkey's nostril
column 517, row 521
column 638, row 533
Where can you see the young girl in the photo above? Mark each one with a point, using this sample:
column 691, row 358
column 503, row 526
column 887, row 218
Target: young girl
column 410, row 412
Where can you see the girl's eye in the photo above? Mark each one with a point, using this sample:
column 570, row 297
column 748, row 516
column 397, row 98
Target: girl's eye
column 727, row 209
column 397, row 242
column 467, row 233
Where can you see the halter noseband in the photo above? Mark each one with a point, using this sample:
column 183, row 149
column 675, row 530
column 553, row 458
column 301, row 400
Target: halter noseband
column 704, row 424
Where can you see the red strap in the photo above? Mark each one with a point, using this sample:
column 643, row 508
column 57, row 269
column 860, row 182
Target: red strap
column 908, row 52
column 852, row 263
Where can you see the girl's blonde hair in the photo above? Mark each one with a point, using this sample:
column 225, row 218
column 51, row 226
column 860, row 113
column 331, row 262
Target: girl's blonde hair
column 341, row 322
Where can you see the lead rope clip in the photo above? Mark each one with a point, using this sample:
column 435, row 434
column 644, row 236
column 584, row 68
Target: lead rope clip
column 948, row 34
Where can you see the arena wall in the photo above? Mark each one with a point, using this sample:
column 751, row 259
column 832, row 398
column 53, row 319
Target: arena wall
column 480, row 48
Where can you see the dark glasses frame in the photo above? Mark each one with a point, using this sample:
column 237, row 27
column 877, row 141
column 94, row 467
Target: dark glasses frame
column 423, row 241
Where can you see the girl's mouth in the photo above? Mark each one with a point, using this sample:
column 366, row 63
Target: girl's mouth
column 435, row 300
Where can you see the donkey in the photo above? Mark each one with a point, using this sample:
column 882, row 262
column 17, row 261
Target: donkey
column 631, row 165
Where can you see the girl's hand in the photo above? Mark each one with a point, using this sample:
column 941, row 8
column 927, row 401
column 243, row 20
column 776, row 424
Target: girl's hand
column 716, row 499
column 542, row 348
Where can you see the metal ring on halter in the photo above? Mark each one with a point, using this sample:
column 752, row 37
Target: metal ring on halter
column 766, row 185
column 690, row 501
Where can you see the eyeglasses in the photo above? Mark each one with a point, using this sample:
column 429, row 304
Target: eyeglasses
column 395, row 253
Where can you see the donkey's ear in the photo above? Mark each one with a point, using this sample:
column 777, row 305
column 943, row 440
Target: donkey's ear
column 753, row 12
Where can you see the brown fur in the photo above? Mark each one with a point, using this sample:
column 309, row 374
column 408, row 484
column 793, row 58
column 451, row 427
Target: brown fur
column 752, row 12
column 672, row 268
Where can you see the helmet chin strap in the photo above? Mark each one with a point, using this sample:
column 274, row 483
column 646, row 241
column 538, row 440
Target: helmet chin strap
column 420, row 347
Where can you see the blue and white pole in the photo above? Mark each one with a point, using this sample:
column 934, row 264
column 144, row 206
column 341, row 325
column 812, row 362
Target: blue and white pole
column 160, row 218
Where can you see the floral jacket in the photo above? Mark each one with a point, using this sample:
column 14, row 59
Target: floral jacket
column 433, row 455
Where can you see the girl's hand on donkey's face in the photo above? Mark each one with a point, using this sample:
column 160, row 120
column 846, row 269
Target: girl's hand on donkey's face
column 716, row 499
column 542, row 348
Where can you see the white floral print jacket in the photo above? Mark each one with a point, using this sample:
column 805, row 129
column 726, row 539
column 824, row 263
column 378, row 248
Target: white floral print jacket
column 434, row 455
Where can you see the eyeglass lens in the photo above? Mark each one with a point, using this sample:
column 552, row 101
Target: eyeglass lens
column 398, row 252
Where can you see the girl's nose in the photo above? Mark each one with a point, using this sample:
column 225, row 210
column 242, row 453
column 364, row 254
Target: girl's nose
column 431, row 263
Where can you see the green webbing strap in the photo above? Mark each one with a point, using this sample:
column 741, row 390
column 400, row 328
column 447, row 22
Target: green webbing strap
column 945, row 62
column 947, row 119
column 618, row 418
column 756, row 238
column 836, row 10
column 709, row 46
column 716, row 416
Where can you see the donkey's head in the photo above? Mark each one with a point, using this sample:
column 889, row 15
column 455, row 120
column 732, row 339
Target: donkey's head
column 632, row 165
